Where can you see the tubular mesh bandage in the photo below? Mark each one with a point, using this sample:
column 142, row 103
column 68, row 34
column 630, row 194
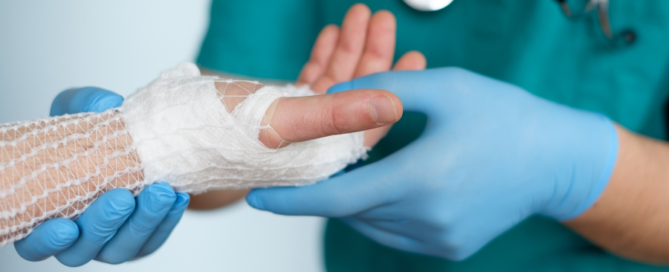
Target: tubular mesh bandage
column 195, row 132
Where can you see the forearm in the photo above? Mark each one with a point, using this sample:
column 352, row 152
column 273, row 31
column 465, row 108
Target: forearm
column 57, row 166
column 631, row 216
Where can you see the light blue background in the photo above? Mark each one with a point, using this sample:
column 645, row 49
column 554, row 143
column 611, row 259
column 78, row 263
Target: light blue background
column 48, row 46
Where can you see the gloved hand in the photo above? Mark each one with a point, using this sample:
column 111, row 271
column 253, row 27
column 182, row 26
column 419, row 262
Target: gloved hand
column 116, row 227
column 491, row 155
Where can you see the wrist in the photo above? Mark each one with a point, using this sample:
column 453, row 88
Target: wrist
column 587, row 153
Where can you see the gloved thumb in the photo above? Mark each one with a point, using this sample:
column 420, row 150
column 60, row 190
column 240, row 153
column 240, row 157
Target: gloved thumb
column 86, row 99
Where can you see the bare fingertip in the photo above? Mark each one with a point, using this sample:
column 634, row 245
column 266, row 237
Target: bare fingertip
column 331, row 28
column 360, row 7
column 419, row 58
column 383, row 110
column 385, row 14
column 412, row 60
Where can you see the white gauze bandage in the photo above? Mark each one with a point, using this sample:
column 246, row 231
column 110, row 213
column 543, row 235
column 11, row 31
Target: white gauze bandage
column 195, row 132
column 185, row 135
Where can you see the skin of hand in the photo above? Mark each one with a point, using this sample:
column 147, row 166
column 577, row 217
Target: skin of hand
column 491, row 155
column 117, row 227
column 364, row 45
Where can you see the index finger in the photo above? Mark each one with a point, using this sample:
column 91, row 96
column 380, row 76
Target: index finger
column 297, row 119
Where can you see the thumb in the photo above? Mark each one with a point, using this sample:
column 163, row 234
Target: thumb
column 344, row 195
column 87, row 99
column 297, row 119
column 418, row 90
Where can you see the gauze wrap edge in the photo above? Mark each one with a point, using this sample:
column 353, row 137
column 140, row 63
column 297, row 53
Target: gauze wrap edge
column 185, row 136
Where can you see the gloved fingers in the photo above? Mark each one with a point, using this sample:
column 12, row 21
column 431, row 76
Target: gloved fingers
column 412, row 60
column 386, row 218
column 344, row 195
column 416, row 236
column 320, row 56
column 153, row 204
column 48, row 239
column 381, row 236
column 165, row 228
column 297, row 119
column 379, row 46
column 349, row 48
column 87, row 99
column 97, row 225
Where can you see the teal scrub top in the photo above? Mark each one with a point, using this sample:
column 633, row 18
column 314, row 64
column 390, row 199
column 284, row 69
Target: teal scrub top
column 529, row 43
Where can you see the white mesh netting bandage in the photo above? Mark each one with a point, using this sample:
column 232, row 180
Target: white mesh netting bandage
column 195, row 132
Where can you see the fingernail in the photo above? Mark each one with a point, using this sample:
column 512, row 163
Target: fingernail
column 383, row 110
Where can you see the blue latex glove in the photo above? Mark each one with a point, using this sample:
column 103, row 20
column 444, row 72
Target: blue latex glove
column 116, row 227
column 491, row 155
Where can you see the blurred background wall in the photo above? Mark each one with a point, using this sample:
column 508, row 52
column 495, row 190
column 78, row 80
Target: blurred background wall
column 48, row 46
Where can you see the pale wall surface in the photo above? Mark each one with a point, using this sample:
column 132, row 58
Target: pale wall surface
column 48, row 46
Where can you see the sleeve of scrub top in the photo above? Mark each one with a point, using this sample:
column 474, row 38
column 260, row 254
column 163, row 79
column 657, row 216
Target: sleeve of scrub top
column 263, row 38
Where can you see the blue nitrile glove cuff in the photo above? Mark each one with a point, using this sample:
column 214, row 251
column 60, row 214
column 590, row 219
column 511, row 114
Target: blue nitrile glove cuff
column 583, row 195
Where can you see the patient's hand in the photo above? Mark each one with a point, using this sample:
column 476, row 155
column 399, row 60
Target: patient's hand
column 361, row 47
column 364, row 45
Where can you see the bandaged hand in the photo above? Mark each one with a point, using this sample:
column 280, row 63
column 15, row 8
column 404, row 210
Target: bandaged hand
column 106, row 234
column 117, row 226
column 364, row 44
column 194, row 132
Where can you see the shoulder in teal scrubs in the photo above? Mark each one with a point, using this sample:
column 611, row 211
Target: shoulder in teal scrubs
column 529, row 43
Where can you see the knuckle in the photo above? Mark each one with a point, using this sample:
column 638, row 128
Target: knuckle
column 63, row 235
column 160, row 195
column 377, row 53
column 115, row 210
column 120, row 205
column 338, row 122
column 349, row 47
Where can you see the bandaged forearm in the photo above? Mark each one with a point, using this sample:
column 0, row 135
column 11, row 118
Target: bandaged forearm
column 195, row 132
